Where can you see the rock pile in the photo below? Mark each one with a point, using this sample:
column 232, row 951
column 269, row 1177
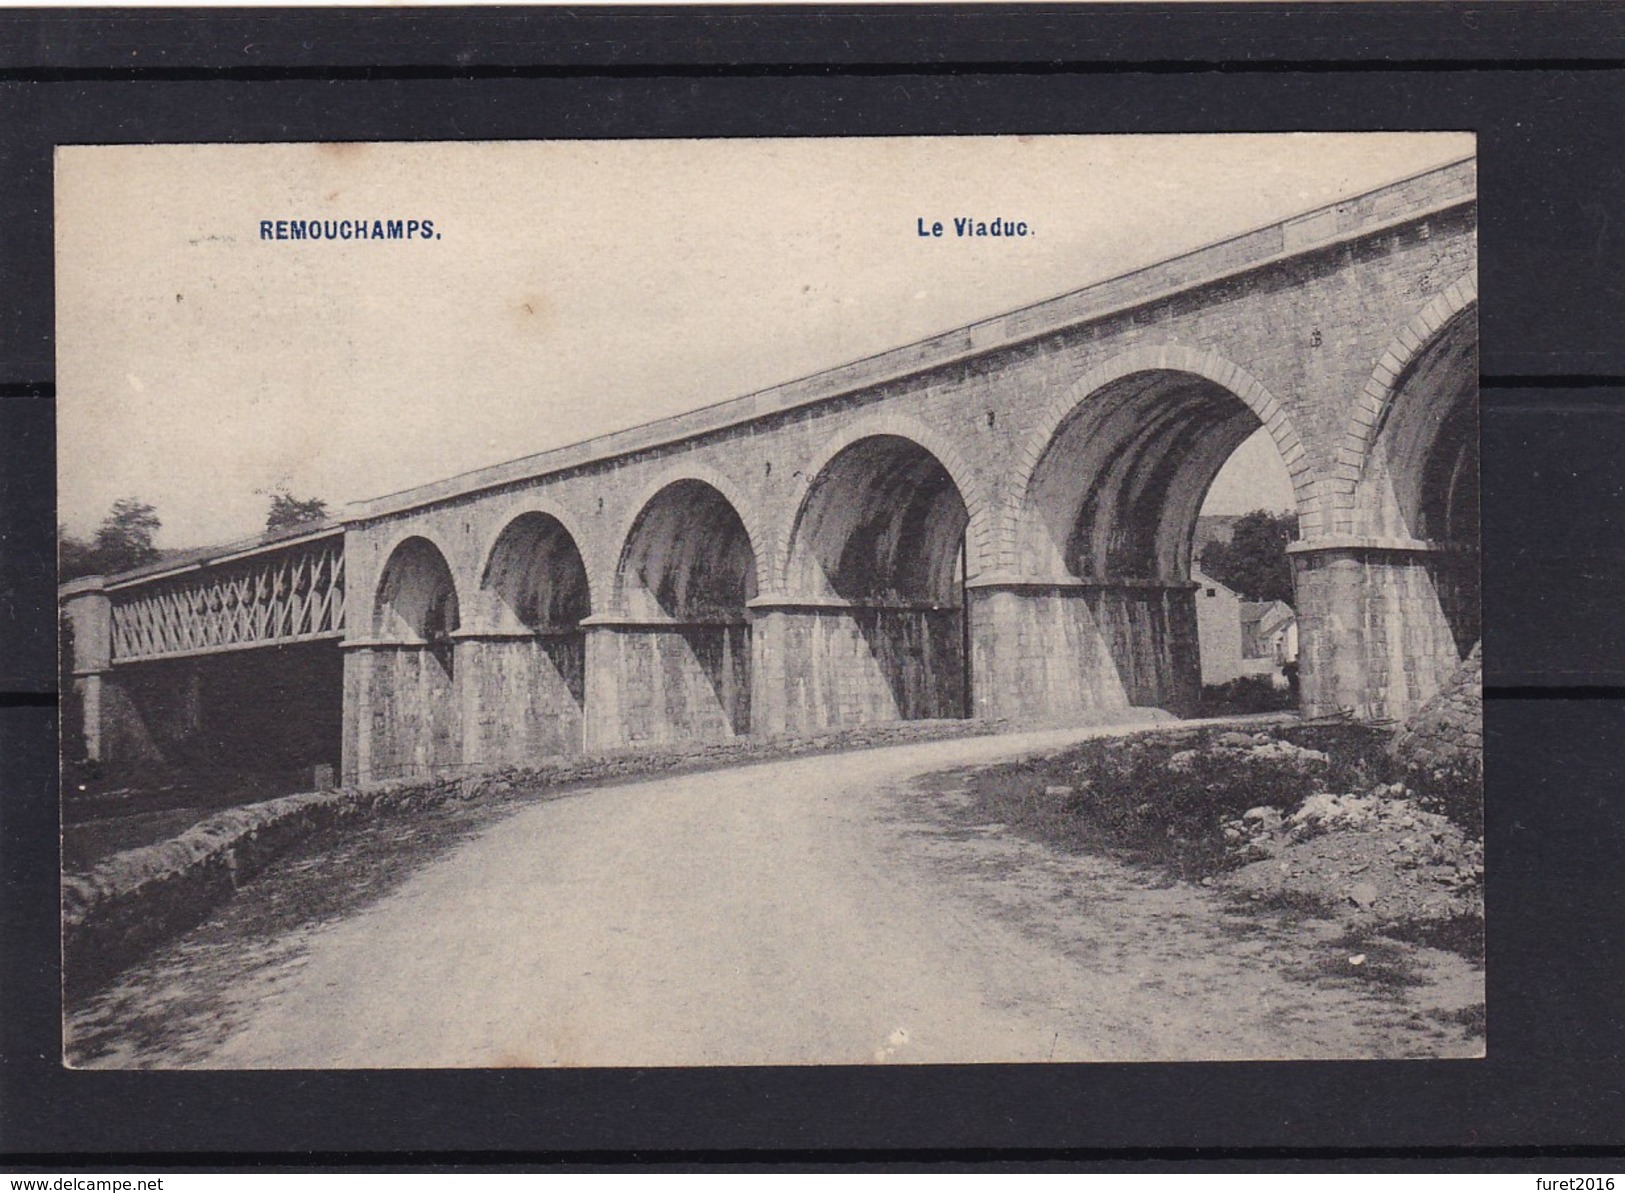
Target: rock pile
column 1256, row 749
column 1376, row 854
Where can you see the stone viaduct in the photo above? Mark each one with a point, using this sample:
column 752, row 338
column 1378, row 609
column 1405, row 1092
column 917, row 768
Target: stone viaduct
column 994, row 523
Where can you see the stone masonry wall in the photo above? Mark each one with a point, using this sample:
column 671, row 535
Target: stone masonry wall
column 1448, row 731
column 523, row 698
column 1054, row 655
column 411, row 712
column 1374, row 637
column 657, row 685
column 1040, row 656
column 830, row 667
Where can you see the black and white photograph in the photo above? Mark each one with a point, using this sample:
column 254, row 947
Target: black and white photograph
column 757, row 602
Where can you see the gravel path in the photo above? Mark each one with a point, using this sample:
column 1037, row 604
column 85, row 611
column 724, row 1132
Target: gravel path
column 818, row 910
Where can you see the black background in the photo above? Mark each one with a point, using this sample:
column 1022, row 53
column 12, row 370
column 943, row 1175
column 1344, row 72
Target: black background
column 1543, row 86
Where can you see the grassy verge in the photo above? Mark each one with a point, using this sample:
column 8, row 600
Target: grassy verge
column 1121, row 796
column 1260, row 816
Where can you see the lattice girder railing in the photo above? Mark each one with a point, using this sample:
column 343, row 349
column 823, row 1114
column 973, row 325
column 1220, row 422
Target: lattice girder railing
column 295, row 594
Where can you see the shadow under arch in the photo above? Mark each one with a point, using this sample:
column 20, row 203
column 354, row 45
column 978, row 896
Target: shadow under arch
column 1454, row 311
column 1145, row 401
column 529, row 689
column 608, row 573
column 1418, row 475
column 686, row 573
column 981, row 532
column 531, row 558
column 416, row 600
column 415, row 727
column 875, row 572
column 1102, row 518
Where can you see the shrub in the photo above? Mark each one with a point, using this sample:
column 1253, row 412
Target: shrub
column 1165, row 798
column 1141, row 801
column 1359, row 753
column 1453, row 788
column 1247, row 694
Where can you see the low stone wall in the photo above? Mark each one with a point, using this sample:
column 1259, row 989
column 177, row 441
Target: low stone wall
column 134, row 900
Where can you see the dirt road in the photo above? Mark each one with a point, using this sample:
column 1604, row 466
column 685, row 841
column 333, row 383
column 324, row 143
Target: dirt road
column 818, row 910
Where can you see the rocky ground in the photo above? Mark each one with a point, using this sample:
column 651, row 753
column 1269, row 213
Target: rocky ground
column 1306, row 821
column 1378, row 858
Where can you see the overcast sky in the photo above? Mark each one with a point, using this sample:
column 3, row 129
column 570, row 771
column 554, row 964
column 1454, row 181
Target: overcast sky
column 576, row 288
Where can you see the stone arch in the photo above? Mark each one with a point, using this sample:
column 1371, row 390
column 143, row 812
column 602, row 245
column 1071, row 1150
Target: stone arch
column 1210, row 382
column 675, row 646
column 526, row 692
column 416, row 599
column 610, row 582
column 687, row 555
column 1411, row 461
column 1395, row 367
column 883, row 520
column 979, row 533
column 410, row 669
column 533, row 571
column 875, row 597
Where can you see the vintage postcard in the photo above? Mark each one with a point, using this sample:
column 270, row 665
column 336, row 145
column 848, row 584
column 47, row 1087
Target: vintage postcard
column 763, row 602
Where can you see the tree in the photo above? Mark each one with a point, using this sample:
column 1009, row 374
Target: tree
column 74, row 556
column 1254, row 562
column 123, row 541
column 287, row 510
